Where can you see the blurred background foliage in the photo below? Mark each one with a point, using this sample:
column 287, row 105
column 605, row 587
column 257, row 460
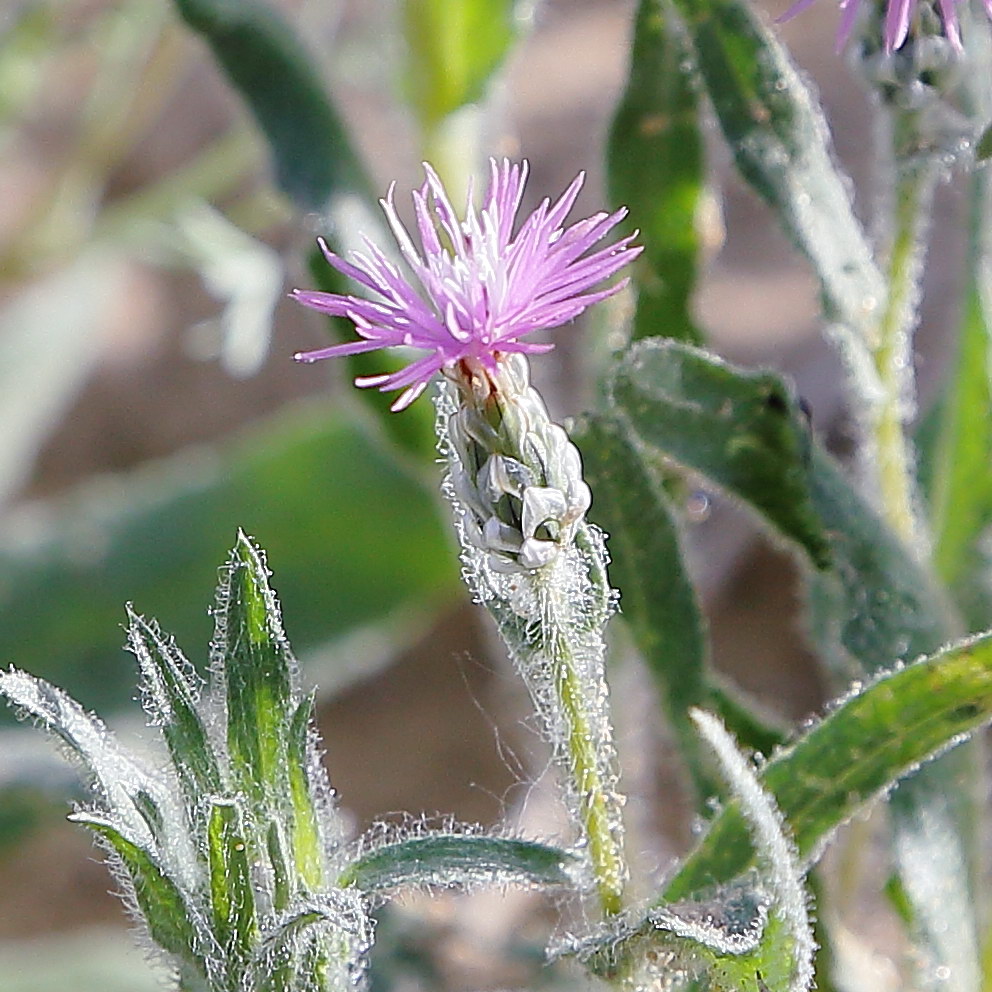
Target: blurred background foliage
column 164, row 168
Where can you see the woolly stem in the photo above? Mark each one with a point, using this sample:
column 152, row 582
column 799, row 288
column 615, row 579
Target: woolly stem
column 516, row 485
column 892, row 349
column 598, row 805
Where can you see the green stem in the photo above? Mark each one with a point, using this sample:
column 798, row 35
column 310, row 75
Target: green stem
column 598, row 810
column 893, row 354
column 551, row 617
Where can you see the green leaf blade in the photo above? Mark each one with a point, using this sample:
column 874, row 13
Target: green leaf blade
column 657, row 597
column 232, row 896
column 459, row 859
column 307, row 842
column 784, row 955
column 251, row 655
column 118, row 779
column 780, row 142
column 852, row 756
column 269, row 67
column 742, row 430
column 172, row 923
column 872, row 603
column 172, row 693
column 656, row 169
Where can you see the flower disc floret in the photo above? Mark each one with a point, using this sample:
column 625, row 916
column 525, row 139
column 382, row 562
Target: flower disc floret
column 479, row 286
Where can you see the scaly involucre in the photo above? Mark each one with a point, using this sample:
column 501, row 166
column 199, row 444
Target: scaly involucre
column 482, row 287
column 898, row 17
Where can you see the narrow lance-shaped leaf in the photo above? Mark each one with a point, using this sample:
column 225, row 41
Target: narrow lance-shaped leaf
column 251, row 655
column 784, row 955
column 655, row 167
column 857, row 752
column 743, row 431
column 872, row 607
column 460, row 860
column 779, row 138
column 117, row 778
column 232, row 898
column 171, row 922
column 271, row 70
column 657, row 598
column 872, row 604
column 307, row 841
column 171, row 696
column 656, row 594
column 753, row 929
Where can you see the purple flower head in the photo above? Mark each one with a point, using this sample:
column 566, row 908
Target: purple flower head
column 898, row 15
column 482, row 286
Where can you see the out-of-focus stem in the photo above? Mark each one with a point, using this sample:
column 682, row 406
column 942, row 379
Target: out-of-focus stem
column 453, row 145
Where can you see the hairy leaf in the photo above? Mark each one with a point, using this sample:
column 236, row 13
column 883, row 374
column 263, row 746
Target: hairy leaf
column 171, row 922
column 872, row 603
column 742, row 430
column 171, row 695
column 442, row 860
column 116, row 777
column 657, row 598
column 779, row 138
column 754, row 928
column 232, row 898
column 857, row 752
column 251, row 657
column 307, row 842
column 784, row 955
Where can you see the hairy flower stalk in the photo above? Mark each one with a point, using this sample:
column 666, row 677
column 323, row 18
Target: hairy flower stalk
column 920, row 131
column 485, row 284
column 895, row 468
column 515, row 481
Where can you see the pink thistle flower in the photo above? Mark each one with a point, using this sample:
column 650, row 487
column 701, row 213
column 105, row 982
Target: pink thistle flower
column 898, row 15
column 481, row 289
